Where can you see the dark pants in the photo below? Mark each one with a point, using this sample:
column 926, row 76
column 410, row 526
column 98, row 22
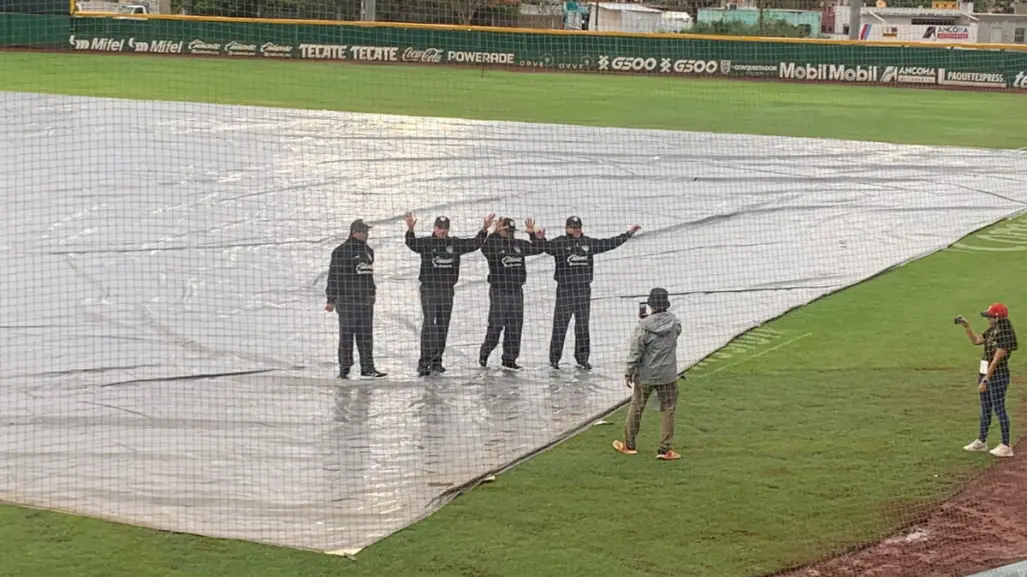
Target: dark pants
column 576, row 301
column 994, row 400
column 506, row 316
column 437, row 307
column 356, row 323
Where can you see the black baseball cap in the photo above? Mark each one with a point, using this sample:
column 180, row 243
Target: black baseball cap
column 442, row 222
column 659, row 299
column 574, row 222
column 359, row 226
column 508, row 223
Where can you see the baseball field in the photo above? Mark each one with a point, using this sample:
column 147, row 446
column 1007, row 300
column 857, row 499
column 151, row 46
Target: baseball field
column 792, row 454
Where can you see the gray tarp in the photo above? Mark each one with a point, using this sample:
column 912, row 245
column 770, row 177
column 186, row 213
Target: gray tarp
column 148, row 243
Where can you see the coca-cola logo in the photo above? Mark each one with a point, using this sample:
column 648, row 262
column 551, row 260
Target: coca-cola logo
column 429, row 55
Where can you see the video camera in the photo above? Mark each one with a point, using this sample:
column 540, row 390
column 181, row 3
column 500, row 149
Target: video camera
column 643, row 309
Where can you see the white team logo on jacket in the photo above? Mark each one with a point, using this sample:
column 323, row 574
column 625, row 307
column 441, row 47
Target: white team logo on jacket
column 442, row 262
column 365, row 267
column 513, row 261
column 577, row 260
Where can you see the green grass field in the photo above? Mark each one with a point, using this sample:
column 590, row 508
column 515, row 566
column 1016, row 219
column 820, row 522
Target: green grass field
column 834, row 439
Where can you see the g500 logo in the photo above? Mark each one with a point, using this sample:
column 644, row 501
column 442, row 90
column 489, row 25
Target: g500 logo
column 664, row 65
column 627, row 64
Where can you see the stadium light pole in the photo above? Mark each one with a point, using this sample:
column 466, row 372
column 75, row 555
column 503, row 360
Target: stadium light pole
column 367, row 9
column 855, row 18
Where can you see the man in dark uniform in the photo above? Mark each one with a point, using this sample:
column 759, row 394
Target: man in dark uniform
column 440, row 270
column 351, row 293
column 573, row 254
column 505, row 255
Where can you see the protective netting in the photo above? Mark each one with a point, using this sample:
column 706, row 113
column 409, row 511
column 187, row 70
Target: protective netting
column 168, row 232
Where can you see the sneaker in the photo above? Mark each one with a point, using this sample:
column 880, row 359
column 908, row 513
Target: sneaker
column 438, row 369
column 1002, row 450
column 343, row 374
column 373, row 373
column 976, row 446
column 555, row 365
column 585, row 366
column 423, row 372
column 668, row 455
column 483, row 362
column 511, row 365
column 620, row 447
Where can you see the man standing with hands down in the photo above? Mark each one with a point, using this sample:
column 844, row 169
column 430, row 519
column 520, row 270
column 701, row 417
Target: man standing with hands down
column 351, row 293
column 573, row 254
column 440, row 270
column 505, row 255
column 652, row 366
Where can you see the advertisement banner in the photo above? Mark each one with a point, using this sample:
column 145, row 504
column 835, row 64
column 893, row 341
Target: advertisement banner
column 685, row 57
column 878, row 32
column 971, row 79
column 910, row 75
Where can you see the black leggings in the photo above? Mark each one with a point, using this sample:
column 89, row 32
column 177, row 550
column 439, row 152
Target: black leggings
column 994, row 400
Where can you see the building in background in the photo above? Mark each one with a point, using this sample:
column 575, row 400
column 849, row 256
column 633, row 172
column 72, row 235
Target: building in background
column 1002, row 28
column 623, row 17
column 943, row 21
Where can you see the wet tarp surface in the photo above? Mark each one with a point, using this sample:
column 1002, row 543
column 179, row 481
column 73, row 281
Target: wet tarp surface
column 167, row 360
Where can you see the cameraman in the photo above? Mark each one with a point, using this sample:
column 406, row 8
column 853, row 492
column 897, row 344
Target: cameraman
column 999, row 342
column 652, row 366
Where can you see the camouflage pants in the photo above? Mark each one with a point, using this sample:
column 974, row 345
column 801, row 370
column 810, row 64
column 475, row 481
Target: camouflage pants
column 668, row 396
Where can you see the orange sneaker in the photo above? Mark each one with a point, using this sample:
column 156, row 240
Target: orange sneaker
column 668, row 456
column 622, row 448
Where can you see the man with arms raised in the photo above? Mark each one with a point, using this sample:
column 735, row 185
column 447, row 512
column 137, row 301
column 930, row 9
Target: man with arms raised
column 573, row 254
column 440, row 270
column 505, row 255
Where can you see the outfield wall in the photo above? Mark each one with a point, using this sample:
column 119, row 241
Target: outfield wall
column 664, row 55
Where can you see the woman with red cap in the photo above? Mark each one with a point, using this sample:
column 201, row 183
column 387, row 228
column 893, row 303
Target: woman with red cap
column 993, row 379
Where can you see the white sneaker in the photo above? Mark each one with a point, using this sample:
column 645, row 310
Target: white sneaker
column 1002, row 451
column 977, row 445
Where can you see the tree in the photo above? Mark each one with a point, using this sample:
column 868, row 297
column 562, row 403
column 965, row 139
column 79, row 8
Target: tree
column 464, row 10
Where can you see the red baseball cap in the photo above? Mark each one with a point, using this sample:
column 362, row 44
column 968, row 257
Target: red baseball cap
column 997, row 310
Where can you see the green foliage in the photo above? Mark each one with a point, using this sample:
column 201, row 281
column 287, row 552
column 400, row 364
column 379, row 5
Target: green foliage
column 775, row 27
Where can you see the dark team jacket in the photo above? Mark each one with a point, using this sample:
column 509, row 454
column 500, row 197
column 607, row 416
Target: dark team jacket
column 351, row 272
column 996, row 338
column 573, row 256
column 506, row 259
column 440, row 257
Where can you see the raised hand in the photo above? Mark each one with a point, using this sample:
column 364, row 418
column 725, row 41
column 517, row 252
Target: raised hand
column 410, row 220
column 529, row 226
column 489, row 220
